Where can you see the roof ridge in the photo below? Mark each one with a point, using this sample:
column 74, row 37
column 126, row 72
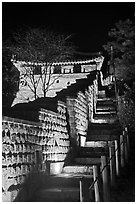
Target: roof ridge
column 67, row 62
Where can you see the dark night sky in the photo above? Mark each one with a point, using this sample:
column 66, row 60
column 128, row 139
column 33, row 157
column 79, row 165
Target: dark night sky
column 89, row 22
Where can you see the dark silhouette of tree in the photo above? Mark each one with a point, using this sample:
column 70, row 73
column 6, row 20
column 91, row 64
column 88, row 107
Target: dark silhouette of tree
column 10, row 79
column 39, row 46
column 122, row 38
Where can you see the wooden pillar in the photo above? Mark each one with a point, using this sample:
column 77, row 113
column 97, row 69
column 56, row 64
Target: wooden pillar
column 117, row 157
column 128, row 145
column 80, row 191
column 127, row 136
column 122, row 160
column 106, row 190
column 127, row 149
column 112, row 163
column 96, row 184
column 125, row 146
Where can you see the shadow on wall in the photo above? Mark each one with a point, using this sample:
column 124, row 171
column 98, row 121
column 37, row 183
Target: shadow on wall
column 72, row 154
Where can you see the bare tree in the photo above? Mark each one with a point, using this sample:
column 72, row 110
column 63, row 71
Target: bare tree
column 40, row 48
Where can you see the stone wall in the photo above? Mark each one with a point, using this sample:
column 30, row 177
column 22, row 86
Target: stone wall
column 70, row 101
column 57, row 83
column 81, row 109
column 55, row 143
column 81, row 114
column 28, row 146
column 89, row 93
column 20, row 141
column 45, row 145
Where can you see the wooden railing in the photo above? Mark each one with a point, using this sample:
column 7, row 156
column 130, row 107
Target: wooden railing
column 119, row 151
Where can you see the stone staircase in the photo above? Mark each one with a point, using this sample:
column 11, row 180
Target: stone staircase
column 105, row 109
column 74, row 181
column 57, row 189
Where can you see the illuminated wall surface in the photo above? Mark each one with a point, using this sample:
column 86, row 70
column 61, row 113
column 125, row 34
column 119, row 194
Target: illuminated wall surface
column 68, row 74
column 80, row 110
column 21, row 140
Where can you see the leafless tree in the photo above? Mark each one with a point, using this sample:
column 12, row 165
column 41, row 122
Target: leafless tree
column 40, row 48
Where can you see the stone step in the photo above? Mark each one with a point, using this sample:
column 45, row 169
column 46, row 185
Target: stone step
column 56, row 181
column 88, row 161
column 105, row 118
column 78, row 169
column 106, row 101
column 101, row 138
column 104, row 126
column 92, row 152
column 101, row 94
column 89, row 149
column 102, row 132
column 108, row 115
column 64, row 194
column 98, row 112
column 63, row 189
column 67, row 193
column 92, row 155
column 95, row 144
column 105, row 108
column 107, row 121
column 104, row 129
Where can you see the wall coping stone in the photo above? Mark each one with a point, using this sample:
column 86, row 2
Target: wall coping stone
column 49, row 112
column 62, row 103
column 16, row 120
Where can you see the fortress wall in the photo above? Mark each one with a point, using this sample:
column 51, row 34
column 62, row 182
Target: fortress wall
column 28, row 146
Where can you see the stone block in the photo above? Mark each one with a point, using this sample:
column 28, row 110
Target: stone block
column 56, row 168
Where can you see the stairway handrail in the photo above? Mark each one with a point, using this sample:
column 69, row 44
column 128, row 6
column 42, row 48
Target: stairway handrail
column 108, row 162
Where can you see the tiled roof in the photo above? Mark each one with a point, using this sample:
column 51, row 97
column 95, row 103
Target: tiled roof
column 68, row 62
